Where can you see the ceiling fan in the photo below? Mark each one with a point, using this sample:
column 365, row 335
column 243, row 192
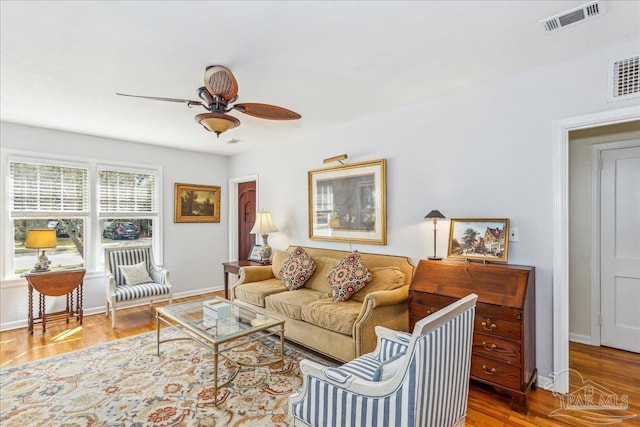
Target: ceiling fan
column 220, row 90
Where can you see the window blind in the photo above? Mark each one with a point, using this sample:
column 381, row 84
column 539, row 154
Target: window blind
column 127, row 192
column 48, row 188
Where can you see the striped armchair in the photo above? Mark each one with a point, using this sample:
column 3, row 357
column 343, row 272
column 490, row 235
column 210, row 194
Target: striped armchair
column 152, row 288
column 408, row 380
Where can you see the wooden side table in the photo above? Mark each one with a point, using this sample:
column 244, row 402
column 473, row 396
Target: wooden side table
column 234, row 268
column 56, row 283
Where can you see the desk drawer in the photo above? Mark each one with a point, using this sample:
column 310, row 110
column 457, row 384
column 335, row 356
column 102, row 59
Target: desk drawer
column 430, row 299
column 507, row 314
column 496, row 372
column 497, row 327
column 497, row 348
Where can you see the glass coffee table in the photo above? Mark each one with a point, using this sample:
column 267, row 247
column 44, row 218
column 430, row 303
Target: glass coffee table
column 213, row 322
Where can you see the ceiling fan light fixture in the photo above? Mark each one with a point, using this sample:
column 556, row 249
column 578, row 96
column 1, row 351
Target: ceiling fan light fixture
column 217, row 122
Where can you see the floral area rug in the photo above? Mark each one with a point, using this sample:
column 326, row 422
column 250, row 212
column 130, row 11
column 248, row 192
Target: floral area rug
column 124, row 383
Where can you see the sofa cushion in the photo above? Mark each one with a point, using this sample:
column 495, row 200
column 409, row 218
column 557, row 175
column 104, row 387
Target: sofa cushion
column 255, row 292
column 277, row 260
column 382, row 279
column 290, row 303
column 348, row 277
column 335, row 316
column 297, row 269
column 143, row 290
column 318, row 281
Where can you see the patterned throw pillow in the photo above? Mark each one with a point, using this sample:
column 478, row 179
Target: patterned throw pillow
column 297, row 269
column 348, row 277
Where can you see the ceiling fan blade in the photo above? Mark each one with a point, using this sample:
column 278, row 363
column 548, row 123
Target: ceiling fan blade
column 266, row 111
column 219, row 81
column 189, row 102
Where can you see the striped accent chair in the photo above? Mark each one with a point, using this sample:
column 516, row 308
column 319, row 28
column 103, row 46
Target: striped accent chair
column 119, row 293
column 420, row 379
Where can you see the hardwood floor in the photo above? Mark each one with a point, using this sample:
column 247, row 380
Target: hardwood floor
column 615, row 370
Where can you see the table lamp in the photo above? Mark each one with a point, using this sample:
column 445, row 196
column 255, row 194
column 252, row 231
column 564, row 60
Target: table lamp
column 435, row 214
column 41, row 239
column 264, row 225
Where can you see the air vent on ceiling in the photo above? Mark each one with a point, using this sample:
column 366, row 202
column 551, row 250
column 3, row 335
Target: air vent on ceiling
column 625, row 79
column 573, row 16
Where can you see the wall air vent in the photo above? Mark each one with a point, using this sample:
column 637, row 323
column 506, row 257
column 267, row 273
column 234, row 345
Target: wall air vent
column 625, row 79
column 573, row 16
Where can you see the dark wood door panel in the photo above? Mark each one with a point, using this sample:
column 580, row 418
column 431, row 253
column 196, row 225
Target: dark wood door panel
column 246, row 217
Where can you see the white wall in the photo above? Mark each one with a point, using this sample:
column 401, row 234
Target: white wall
column 192, row 252
column 481, row 153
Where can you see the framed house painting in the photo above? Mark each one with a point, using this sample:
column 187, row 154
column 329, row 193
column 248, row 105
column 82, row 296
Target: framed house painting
column 196, row 203
column 348, row 203
column 479, row 239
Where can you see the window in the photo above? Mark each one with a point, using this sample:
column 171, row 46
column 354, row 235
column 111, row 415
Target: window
column 57, row 194
column 127, row 206
column 48, row 196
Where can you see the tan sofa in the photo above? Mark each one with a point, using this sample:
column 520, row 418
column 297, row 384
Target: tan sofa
column 341, row 330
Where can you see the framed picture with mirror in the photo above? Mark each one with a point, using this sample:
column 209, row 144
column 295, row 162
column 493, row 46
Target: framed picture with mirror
column 348, row 203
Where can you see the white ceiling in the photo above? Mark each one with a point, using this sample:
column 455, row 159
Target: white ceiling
column 331, row 61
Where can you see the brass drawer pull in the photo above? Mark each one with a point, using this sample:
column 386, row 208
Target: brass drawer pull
column 491, row 372
column 490, row 328
column 484, row 344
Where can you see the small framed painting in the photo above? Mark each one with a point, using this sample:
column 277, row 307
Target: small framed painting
column 479, row 239
column 254, row 253
column 196, row 203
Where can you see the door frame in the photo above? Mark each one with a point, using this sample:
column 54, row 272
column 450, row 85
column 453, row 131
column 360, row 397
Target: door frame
column 233, row 211
column 561, row 129
column 596, row 180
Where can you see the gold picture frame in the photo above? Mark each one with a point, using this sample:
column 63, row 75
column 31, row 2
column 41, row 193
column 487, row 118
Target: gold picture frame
column 348, row 203
column 196, row 203
column 479, row 239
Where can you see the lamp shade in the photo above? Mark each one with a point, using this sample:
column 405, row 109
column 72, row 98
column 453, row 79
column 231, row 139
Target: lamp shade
column 41, row 239
column 434, row 214
column 263, row 224
column 217, row 122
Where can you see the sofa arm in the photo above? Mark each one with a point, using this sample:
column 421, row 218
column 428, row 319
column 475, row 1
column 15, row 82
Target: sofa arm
column 391, row 297
column 255, row 273
column 382, row 308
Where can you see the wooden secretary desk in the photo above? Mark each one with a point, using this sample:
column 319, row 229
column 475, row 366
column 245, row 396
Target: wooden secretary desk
column 504, row 350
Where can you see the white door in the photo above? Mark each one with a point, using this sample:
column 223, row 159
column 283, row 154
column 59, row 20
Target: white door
column 620, row 248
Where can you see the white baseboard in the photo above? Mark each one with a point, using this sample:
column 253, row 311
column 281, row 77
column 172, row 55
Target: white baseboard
column 16, row 324
column 545, row 383
column 581, row 339
column 197, row 292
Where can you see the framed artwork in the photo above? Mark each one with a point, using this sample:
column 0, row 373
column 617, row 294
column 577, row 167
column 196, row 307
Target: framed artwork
column 348, row 203
column 480, row 239
column 254, row 253
column 196, row 203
